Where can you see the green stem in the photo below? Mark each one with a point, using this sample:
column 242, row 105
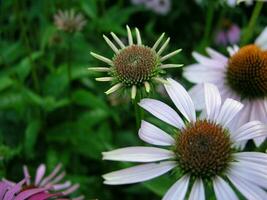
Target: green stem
column 208, row 26
column 253, row 19
column 138, row 111
column 69, row 56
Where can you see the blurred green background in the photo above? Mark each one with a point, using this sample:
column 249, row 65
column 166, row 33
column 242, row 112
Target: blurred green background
column 47, row 118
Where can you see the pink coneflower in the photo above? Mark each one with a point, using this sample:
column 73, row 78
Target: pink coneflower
column 19, row 191
column 161, row 7
column 53, row 182
column 229, row 33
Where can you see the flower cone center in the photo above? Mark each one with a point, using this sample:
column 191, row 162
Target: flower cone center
column 203, row 149
column 247, row 72
column 135, row 64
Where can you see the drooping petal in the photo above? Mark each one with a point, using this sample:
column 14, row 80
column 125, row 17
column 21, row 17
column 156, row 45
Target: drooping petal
column 181, row 99
column 222, row 190
column 212, row 101
column 138, row 154
column 205, row 61
column 248, row 189
column 249, row 131
column 153, row 135
column 162, row 111
column 197, row 192
column 138, row 173
column 229, row 110
column 28, row 193
column 178, row 190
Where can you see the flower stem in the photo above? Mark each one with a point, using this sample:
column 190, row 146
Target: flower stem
column 69, row 53
column 253, row 19
column 138, row 111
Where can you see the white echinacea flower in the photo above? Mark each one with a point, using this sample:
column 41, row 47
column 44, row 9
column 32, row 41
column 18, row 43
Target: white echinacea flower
column 241, row 76
column 202, row 149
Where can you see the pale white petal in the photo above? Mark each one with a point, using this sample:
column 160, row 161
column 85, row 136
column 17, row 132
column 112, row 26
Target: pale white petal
column 248, row 189
column 104, row 79
column 114, row 88
column 138, row 36
column 99, row 69
column 205, row 61
column 197, row 192
column 138, row 154
column 153, row 135
column 163, row 47
column 162, row 111
column 212, row 101
column 130, row 37
column 197, row 73
column 120, row 43
column 178, row 190
column 254, row 157
column 158, row 42
column 216, row 55
column 147, row 86
column 166, row 66
column 262, row 38
column 170, row 55
column 110, row 44
column 231, row 50
column 138, row 173
column 258, row 112
column 229, row 110
column 197, row 95
column 250, row 174
column 181, row 99
column 222, row 190
column 133, row 92
column 250, row 130
column 102, row 58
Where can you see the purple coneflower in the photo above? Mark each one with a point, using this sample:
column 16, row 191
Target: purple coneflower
column 52, row 182
column 229, row 33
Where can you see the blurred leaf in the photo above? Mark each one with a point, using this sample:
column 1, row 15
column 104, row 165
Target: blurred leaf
column 23, row 69
column 86, row 98
column 5, row 82
column 31, row 135
column 90, row 8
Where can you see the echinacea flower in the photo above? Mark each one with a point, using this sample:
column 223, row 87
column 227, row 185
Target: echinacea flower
column 19, row 191
column 161, row 7
column 229, row 33
column 242, row 76
column 68, row 21
column 53, row 181
column 201, row 149
column 134, row 66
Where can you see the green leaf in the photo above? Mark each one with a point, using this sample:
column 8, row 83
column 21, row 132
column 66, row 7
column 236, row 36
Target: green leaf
column 5, row 82
column 90, row 8
column 159, row 185
column 86, row 98
column 31, row 135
